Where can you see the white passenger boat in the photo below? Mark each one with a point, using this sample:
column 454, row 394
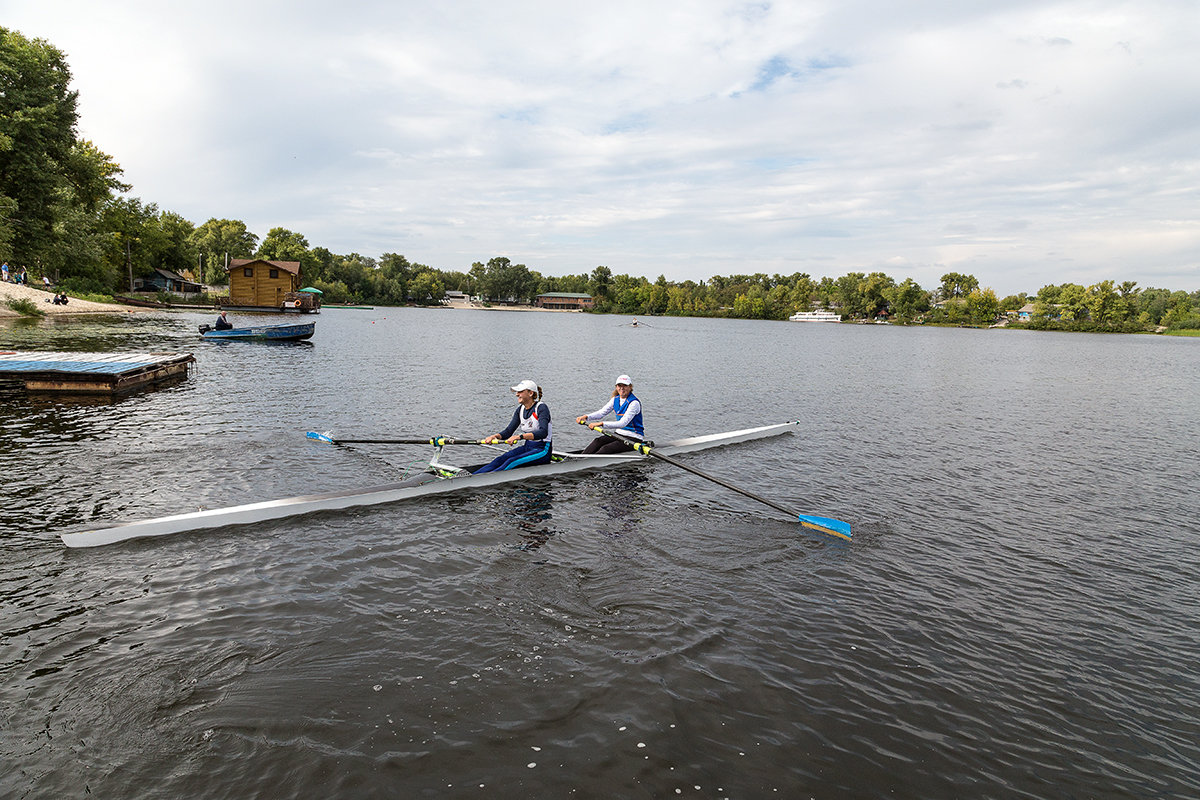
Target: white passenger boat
column 437, row 478
column 815, row 316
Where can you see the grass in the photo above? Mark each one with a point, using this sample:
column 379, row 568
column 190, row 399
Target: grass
column 26, row 308
column 1182, row 333
column 94, row 298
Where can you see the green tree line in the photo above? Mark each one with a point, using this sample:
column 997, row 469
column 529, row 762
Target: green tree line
column 65, row 213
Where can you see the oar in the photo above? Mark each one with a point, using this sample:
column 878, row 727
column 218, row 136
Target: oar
column 832, row 527
column 436, row 441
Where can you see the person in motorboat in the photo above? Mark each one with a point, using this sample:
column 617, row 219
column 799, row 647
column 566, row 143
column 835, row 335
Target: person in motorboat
column 627, row 409
column 530, row 425
column 223, row 323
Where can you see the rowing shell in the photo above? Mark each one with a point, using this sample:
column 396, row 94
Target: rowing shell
column 418, row 486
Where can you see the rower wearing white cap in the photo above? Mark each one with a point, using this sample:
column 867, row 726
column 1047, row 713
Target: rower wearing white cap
column 628, row 411
column 530, row 425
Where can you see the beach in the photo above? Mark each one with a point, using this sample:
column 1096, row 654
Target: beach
column 40, row 298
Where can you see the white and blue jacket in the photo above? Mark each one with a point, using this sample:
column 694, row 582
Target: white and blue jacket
column 628, row 413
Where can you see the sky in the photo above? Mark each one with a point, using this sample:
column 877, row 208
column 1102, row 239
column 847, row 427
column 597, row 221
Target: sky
column 1022, row 142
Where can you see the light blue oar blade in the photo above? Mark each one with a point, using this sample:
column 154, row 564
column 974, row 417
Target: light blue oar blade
column 834, row 527
column 320, row 437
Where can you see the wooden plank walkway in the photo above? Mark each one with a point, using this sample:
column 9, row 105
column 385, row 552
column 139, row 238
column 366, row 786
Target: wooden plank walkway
column 91, row 373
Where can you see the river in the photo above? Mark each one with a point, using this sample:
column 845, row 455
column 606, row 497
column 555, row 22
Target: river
column 1015, row 617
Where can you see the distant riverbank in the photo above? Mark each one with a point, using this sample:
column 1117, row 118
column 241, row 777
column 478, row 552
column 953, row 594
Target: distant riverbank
column 40, row 298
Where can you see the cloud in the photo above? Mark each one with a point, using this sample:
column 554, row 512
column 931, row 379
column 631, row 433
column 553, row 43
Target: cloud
column 1027, row 143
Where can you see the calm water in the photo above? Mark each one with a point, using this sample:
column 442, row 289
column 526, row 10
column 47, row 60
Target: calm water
column 1016, row 617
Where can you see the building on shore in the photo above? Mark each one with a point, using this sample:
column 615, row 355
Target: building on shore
column 164, row 280
column 255, row 283
column 565, row 301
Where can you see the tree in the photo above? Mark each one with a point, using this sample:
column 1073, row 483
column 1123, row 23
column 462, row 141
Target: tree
column 92, row 176
column 218, row 240
column 599, row 282
column 956, row 284
column 176, row 250
column 849, row 294
column 283, row 245
column 1072, row 301
column 52, row 184
column 37, row 130
column 1104, row 304
column 1014, row 302
column 426, row 287
column 130, row 244
column 982, row 306
column 802, row 291
column 874, row 290
column 504, row 280
column 908, row 300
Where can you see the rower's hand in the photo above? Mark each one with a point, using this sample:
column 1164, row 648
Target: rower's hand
column 490, row 440
column 581, row 420
column 513, row 439
column 594, row 425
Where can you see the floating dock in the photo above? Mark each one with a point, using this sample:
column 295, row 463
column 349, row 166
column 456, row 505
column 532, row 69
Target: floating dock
column 91, row 373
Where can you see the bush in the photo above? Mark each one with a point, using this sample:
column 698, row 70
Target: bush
column 1185, row 322
column 26, row 307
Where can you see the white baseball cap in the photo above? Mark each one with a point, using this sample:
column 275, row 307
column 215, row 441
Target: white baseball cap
column 525, row 385
column 624, row 380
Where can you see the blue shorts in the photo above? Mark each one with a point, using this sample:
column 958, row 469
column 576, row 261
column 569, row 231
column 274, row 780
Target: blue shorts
column 526, row 455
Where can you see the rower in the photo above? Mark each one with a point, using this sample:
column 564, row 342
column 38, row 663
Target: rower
column 530, row 425
column 628, row 411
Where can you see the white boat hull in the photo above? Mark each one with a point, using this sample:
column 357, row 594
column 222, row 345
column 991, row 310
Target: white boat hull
column 815, row 316
column 390, row 493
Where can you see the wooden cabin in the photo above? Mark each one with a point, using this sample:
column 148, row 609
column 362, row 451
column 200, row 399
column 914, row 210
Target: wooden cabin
column 565, row 301
column 256, row 282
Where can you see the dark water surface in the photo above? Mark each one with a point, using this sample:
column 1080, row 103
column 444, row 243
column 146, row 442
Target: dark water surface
column 1017, row 616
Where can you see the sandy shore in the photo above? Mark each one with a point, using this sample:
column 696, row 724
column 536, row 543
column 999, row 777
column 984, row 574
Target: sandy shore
column 11, row 291
column 39, row 297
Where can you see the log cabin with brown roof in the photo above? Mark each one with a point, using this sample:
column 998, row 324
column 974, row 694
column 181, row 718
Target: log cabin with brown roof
column 258, row 283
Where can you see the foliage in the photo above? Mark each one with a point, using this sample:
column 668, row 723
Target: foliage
column 218, row 240
column 955, row 284
column 51, row 182
column 25, row 307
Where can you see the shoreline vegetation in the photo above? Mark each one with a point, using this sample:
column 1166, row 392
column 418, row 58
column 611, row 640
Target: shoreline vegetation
column 17, row 301
column 66, row 216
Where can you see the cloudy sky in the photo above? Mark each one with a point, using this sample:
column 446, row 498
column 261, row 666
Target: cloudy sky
column 1025, row 142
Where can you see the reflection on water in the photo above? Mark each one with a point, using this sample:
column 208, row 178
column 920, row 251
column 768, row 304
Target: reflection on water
column 530, row 510
column 627, row 632
column 624, row 501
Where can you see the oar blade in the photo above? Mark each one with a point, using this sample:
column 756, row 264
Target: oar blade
column 833, row 527
column 320, row 437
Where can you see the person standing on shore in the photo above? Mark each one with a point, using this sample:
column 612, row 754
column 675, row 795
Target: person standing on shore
column 4, row 272
column 628, row 411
